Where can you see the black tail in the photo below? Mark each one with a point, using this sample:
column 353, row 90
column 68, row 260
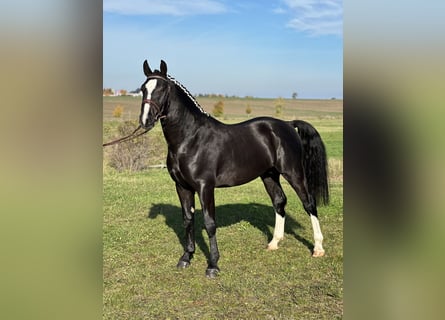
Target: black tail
column 314, row 161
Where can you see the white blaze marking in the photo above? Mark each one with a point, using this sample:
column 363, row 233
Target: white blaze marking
column 318, row 237
column 150, row 86
column 278, row 233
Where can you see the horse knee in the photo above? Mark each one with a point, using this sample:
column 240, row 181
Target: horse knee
column 210, row 227
column 188, row 221
column 188, row 217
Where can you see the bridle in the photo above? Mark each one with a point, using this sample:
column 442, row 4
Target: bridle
column 156, row 107
column 158, row 116
column 154, row 104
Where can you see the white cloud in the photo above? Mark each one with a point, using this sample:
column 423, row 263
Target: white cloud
column 164, row 7
column 279, row 10
column 316, row 17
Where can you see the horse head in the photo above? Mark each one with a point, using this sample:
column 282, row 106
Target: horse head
column 155, row 95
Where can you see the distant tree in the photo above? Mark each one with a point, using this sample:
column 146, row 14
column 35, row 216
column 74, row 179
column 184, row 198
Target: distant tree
column 279, row 107
column 123, row 92
column 107, row 92
column 294, row 95
column 218, row 109
column 248, row 109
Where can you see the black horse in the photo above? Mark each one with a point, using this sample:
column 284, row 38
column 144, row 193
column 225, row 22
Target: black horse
column 204, row 154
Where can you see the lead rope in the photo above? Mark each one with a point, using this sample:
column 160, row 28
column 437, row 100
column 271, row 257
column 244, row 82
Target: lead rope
column 126, row 138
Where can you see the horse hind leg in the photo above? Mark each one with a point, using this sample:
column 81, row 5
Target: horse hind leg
column 275, row 191
column 318, row 237
column 298, row 183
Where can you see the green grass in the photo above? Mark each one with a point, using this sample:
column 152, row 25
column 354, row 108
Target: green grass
column 143, row 239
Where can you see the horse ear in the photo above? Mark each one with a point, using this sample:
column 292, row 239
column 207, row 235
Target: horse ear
column 147, row 69
column 163, row 68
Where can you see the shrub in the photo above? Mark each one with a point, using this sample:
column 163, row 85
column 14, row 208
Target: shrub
column 218, row 109
column 129, row 155
column 279, row 107
column 117, row 112
column 248, row 109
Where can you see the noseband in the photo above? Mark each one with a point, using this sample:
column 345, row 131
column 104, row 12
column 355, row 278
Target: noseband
column 156, row 107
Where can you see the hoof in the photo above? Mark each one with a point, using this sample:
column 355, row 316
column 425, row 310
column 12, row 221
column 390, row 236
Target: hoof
column 273, row 244
column 318, row 253
column 212, row 273
column 183, row 264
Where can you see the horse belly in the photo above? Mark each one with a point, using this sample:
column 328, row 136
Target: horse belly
column 241, row 169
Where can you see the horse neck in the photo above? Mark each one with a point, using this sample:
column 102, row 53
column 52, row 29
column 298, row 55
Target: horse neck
column 183, row 118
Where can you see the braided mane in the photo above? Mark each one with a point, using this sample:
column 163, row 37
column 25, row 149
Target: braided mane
column 184, row 89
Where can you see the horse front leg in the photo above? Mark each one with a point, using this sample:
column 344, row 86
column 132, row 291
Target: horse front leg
column 207, row 197
column 187, row 198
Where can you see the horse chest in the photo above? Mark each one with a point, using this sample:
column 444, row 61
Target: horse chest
column 178, row 168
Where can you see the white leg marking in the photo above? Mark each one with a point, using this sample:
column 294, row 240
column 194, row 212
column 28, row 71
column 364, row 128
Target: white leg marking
column 192, row 210
column 150, row 86
column 318, row 237
column 278, row 233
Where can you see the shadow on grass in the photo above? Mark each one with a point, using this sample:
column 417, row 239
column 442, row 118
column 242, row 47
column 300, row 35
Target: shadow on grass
column 260, row 216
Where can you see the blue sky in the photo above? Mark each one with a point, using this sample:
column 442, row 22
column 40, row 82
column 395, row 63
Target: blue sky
column 256, row 48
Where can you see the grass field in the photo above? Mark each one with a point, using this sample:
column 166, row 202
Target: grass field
column 143, row 237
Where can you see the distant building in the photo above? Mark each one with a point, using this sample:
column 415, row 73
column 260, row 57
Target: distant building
column 122, row 92
column 135, row 94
